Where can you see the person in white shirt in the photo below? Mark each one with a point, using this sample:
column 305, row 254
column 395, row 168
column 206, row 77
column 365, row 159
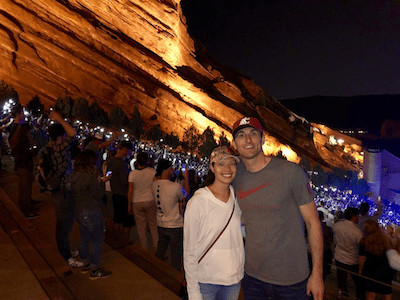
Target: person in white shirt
column 167, row 196
column 347, row 237
column 140, row 200
column 214, row 262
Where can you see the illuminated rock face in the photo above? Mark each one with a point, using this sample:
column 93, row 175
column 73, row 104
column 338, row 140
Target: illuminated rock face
column 136, row 53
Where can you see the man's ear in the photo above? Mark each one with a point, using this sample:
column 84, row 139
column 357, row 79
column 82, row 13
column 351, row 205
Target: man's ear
column 234, row 145
column 262, row 138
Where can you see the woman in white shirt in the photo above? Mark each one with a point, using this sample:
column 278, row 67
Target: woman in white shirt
column 140, row 200
column 214, row 270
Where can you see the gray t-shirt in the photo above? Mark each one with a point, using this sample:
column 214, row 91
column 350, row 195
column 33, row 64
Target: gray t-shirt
column 275, row 245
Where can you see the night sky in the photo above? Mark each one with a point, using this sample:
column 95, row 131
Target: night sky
column 299, row 48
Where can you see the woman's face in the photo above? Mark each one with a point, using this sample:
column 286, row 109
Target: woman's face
column 224, row 170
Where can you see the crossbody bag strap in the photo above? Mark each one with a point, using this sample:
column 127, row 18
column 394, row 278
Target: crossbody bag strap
column 227, row 223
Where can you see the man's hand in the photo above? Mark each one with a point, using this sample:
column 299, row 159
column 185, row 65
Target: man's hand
column 315, row 286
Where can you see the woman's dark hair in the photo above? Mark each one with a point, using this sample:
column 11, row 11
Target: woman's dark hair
column 86, row 161
column 375, row 240
column 163, row 164
column 209, row 179
column 142, row 159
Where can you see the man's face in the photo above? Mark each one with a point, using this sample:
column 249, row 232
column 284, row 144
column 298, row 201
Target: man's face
column 248, row 142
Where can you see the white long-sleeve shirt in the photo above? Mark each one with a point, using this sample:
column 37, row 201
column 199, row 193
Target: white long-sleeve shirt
column 394, row 259
column 205, row 218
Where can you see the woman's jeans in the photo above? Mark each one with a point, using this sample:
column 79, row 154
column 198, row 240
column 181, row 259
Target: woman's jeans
column 219, row 292
column 91, row 227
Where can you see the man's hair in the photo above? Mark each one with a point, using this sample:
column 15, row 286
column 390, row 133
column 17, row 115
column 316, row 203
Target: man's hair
column 56, row 130
column 125, row 144
column 350, row 212
column 142, row 159
column 364, row 208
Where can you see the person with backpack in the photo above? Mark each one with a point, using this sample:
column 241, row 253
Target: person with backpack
column 61, row 137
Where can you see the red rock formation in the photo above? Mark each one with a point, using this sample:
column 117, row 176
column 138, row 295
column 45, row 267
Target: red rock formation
column 138, row 53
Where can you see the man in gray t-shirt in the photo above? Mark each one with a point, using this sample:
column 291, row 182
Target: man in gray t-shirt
column 276, row 200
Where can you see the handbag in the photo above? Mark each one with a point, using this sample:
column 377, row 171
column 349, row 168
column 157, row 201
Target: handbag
column 227, row 223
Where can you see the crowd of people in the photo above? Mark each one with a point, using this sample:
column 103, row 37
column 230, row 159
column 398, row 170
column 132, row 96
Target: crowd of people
column 204, row 209
column 335, row 201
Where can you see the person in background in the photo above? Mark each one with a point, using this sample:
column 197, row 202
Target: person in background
column 347, row 237
column 119, row 169
column 323, row 209
column 167, row 196
column 338, row 216
column 374, row 263
column 21, row 146
column 328, row 216
column 5, row 135
column 364, row 209
column 213, row 242
column 141, row 203
column 88, row 191
column 108, row 210
column 327, row 234
column 393, row 236
column 61, row 136
column 393, row 256
column 98, row 144
column 276, row 200
column 38, row 136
